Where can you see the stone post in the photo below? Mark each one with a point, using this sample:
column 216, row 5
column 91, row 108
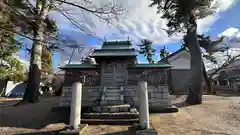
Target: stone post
column 143, row 105
column 228, row 83
column 217, row 83
column 75, row 115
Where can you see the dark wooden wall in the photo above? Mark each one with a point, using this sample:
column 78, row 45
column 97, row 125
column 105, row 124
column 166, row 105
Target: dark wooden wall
column 90, row 79
column 123, row 76
column 152, row 76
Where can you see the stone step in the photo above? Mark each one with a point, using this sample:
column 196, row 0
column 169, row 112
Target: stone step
column 113, row 91
column 112, row 94
column 113, row 87
column 110, row 121
column 111, row 102
column 120, row 115
column 118, row 97
column 112, row 108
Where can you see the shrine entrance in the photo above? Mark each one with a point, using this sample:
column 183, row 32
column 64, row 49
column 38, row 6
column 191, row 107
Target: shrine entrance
column 113, row 74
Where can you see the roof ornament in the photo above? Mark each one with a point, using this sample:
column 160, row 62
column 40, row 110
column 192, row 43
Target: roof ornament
column 128, row 38
column 105, row 39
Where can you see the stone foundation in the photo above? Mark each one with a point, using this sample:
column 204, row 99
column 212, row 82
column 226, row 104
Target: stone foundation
column 158, row 96
column 90, row 96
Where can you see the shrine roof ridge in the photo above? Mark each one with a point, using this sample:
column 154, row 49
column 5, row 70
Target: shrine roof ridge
column 117, row 43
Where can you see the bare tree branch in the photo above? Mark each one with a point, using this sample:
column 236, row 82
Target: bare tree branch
column 114, row 9
column 71, row 20
column 230, row 59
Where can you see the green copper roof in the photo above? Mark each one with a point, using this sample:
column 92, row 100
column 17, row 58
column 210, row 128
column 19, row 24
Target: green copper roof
column 81, row 66
column 152, row 65
column 115, row 48
column 114, row 52
column 117, row 45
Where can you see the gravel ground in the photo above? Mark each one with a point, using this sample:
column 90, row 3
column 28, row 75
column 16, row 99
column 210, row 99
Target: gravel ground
column 218, row 115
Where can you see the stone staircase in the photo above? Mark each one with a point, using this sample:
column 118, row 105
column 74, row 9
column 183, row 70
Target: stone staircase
column 111, row 114
column 112, row 95
column 112, row 109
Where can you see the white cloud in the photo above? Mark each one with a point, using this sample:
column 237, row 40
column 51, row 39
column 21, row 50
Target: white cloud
column 232, row 37
column 230, row 32
column 141, row 21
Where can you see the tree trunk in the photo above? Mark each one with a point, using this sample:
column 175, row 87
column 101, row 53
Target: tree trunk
column 34, row 76
column 195, row 81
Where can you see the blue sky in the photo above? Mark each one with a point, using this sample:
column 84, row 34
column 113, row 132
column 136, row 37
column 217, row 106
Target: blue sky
column 143, row 22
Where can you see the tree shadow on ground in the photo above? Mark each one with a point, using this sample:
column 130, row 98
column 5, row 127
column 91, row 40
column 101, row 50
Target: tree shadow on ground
column 182, row 104
column 54, row 132
column 121, row 133
column 32, row 116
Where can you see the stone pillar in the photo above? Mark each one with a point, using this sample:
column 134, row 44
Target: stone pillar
column 228, row 83
column 217, row 83
column 75, row 115
column 143, row 105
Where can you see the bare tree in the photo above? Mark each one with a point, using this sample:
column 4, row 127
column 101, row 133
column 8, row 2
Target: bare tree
column 217, row 65
column 32, row 17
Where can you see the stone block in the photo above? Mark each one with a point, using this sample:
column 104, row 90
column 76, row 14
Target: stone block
column 93, row 98
column 64, row 104
column 157, row 90
column 113, row 109
column 166, row 95
column 66, row 99
column 131, row 88
column 109, row 94
column 157, row 104
column 113, row 98
column 89, row 104
column 166, row 102
column 158, row 95
column 132, row 93
column 68, row 94
column 97, row 109
column 154, row 100
column 126, row 93
column 135, row 99
column 127, row 99
column 165, row 90
column 147, row 132
column 126, row 109
column 91, row 89
column 150, row 90
column 105, row 109
column 114, row 102
column 104, row 102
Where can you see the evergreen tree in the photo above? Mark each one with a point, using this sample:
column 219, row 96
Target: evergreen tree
column 182, row 16
column 163, row 53
column 147, row 50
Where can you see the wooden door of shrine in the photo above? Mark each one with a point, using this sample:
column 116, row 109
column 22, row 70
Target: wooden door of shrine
column 113, row 74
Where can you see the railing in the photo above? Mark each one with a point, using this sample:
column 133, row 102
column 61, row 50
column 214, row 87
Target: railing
column 152, row 77
column 86, row 78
